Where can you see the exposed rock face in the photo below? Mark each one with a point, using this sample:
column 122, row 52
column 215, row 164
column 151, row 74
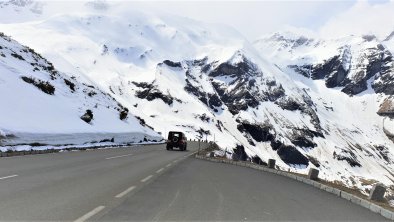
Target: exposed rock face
column 172, row 64
column 387, row 108
column 290, row 155
column 209, row 99
column 70, row 84
column 151, row 92
column 348, row 156
column 331, row 70
column 260, row 133
column 239, row 153
column 46, row 87
column 242, row 94
column 304, row 138
column 384, row 80
column 203, row 117
column 123, row 114
column 384, row 152
column 88, row 116
column 239, row 85
column 342, row 70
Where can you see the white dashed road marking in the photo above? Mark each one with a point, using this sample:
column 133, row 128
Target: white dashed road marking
column 146, row 178
column 125, row 192
column 114, row 157
column 3, row 178
column 161, row 169
column 90, row 214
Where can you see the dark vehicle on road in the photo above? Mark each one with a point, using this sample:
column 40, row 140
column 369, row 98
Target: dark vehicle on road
column 176, row 139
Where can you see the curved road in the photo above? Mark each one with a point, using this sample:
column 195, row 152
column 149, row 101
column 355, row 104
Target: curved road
column 151, row 184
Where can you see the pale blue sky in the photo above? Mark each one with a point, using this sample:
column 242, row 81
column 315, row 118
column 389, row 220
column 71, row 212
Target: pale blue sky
column 322, row 18
column 256, row 18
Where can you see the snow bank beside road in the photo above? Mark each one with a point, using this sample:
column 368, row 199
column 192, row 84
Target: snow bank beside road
column 76, row 138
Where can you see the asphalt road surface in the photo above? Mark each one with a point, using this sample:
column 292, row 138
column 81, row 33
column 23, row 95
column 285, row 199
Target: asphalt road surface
column 151, row 184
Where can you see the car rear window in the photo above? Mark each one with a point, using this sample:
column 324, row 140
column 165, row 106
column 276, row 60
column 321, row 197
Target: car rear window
column 174, row 134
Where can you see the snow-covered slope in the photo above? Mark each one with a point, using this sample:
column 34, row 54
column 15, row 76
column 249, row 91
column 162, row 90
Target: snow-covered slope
column 351, row 79
column 207, row 80
column 41, row 104
column 20, row 10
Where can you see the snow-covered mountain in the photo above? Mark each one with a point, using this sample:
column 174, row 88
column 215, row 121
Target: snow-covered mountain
column 42, row 105
column 305, row 102
column 352, row 78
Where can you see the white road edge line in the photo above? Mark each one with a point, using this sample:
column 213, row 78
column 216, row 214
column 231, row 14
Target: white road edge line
column 90, row 214
column 3, row 178
column 146, row 178
column 161, row 169
column 114, row 157
column 125, row 192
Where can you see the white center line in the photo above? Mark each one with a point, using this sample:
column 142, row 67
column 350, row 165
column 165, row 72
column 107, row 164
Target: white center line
column 161, row 169
column 168, row 165
column 3, row 178
column 114, row 157
column 125, row 192
column 90, row 214
column 146, row 178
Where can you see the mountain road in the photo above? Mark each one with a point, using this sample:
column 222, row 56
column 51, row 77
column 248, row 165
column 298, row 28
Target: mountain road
column 149, row 183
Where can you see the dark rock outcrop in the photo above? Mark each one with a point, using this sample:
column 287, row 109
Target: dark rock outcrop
column 123, row 114
column 151, row 92
column 304, row 138
column 44, row 86
column 143, row 123
column 373, row 62
column 239, row 153
column 384, row 81
column 172, row 64
column 348, row 156
column 387, row 108
column 383, row 153
column 88, row 116
column 291, row 156
column 70, row 84
column 260, row 133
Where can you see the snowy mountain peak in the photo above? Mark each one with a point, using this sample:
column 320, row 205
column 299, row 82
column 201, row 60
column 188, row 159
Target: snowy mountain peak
column 20, row 6
column 287, row 39
column 99, row 5
column 20, row 3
